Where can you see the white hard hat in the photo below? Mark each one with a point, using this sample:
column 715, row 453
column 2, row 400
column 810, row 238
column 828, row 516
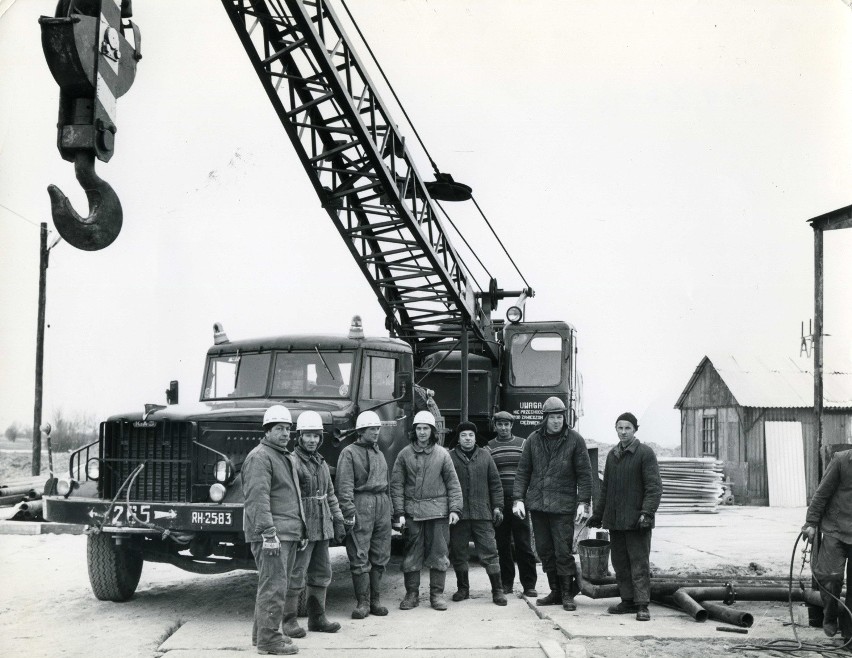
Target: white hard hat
column 368, row 419
column 276, row 414
column 426, row 418
column 309, row 421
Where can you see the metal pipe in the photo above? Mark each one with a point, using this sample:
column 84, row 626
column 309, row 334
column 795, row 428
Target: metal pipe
column 688, row 598
column 728, row 615
column 19, row 491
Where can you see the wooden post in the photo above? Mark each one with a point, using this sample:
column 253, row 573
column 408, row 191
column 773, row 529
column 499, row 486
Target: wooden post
column 830, row 221
column 818, row 358
column 39, row 365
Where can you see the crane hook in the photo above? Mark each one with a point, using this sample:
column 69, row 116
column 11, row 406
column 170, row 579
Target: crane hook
column 103, row 224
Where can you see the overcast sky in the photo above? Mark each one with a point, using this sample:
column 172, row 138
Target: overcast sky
column 649, row 165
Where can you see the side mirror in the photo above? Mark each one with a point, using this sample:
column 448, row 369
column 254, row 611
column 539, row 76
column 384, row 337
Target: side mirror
column 172, row 392
column 402, row 387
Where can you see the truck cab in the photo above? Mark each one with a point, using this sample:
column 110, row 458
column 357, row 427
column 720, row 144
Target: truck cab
column 162, row 483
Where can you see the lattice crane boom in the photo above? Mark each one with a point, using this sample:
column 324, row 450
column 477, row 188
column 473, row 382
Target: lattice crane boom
column 360, row 167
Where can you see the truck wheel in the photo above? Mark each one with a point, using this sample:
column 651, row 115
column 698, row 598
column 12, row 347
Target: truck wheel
column 114, row 570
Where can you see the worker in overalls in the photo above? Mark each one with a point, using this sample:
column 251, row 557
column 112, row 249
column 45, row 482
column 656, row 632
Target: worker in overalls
column 274, row 525
column 323, row 521
column 831, row 512
column 361, row 482
column 427, row 500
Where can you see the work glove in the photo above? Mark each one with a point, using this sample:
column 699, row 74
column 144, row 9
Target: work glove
column 271, row 545
column 519, row 510
column 583, row 513
column 339, row 531
column 644, row 522
column 454, row 518
column 399, row 524
column 594, row 522
column 497, row 516
column 809, row 532
column 349, row 525
column 303, row 544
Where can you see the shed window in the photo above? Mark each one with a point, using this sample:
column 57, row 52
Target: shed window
column 708, row 436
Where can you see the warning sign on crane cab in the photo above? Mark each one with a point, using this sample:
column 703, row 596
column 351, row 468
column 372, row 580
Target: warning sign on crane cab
column 528, row 413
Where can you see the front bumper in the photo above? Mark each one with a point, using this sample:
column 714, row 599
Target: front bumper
column 145, row 517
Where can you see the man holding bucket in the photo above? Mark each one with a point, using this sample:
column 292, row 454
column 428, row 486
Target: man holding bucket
column 629, row 498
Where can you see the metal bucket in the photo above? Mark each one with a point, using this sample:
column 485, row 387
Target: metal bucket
column 594, row 558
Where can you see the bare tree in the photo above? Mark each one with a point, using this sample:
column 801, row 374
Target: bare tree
column 72, row 431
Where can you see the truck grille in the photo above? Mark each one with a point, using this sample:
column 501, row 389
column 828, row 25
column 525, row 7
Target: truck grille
column 165, row 449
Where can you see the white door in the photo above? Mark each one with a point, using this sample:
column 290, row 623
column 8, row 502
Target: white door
column 785, row 464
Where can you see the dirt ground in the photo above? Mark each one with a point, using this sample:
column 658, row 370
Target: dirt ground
column 47, row 608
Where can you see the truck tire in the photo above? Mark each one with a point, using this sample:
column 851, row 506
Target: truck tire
column 114, row 570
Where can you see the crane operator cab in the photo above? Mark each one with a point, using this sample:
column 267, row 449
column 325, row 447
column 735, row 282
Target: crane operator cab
column 536, row 360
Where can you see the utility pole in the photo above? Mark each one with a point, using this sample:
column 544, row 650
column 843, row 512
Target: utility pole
column 44, row 253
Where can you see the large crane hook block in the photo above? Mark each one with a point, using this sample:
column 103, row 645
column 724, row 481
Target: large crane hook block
column 93, row 64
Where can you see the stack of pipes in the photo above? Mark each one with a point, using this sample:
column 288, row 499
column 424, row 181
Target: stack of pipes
column 23, row 498
column 690, row 484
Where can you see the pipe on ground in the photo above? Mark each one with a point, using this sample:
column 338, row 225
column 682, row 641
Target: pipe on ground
column 688, row 598
column 728, row 615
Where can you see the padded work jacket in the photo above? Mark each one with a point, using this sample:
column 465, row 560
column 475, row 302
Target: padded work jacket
column 556, row 476
column 424, row 484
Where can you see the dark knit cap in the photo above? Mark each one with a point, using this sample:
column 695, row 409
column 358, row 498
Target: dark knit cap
column 466, row 426
column 630, row 418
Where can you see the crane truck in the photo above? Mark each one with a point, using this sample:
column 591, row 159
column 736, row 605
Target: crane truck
column 161, row 483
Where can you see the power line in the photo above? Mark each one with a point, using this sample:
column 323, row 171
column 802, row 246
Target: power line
column 27, row 220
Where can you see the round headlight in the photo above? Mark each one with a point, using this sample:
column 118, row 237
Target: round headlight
column 217, row 492
column 63, row 487
column 514, row 314
column 93, row 469
column 222, row 471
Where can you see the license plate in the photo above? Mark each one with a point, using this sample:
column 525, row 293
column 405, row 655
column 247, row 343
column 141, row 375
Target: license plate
column 120, row 515
column 211, row 518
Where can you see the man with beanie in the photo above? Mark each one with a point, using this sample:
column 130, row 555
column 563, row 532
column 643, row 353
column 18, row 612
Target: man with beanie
column 427, row 500
column 554, row 477
column 629, row 498
column 514, row 536
column 482, row 494
column 274, row 525
column 831, row 512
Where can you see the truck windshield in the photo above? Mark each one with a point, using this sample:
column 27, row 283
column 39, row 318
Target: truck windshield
column 536, row 359
column 236, row 376
column 316, row 374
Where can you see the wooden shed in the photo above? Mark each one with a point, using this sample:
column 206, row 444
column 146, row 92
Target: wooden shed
column 757, row 417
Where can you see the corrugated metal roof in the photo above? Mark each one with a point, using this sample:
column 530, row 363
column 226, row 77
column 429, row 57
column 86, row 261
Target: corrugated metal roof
column 779, row 382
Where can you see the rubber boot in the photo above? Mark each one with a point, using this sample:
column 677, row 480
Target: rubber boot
column 412, row 590
column 567, row 585
column 361, row 584
column 462, row 585
column 555, row 596
column 497, row 594
column 291, row 626
column 280, row 650
column 376, row 607
column 437, row 580
column 316, row 612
